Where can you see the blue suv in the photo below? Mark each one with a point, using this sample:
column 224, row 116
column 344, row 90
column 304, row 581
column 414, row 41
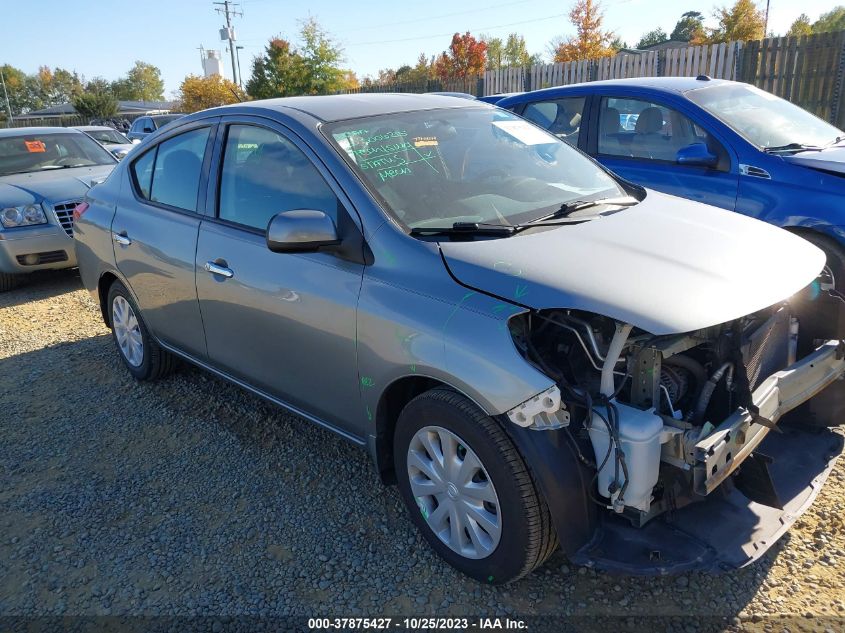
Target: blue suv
column 720, row 142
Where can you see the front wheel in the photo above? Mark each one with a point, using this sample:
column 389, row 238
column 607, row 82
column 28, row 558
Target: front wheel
column 468, row 489
column 9, row 282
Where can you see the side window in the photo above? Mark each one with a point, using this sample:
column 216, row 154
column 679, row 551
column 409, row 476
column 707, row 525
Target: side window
column 142, row 170
column 561, row 117
column 263, row 174
column 147, row 125
column 176, row 172
column 642, row 129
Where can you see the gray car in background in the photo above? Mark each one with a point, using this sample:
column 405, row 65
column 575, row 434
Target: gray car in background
column 44, row 174
column 536, row 352
column 109, row 138
column 143, row 126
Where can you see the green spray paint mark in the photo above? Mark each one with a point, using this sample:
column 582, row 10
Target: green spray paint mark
column 413, row 369
column 489, row 578
column 520, row 291
column 423, row 509
column 388, row 257
column 369, row 415
column 455, row 309
column 366, row 381
column 499, row 307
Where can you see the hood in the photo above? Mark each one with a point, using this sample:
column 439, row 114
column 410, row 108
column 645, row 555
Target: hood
column 50, row 186
column 666, row 265
column 831, row 159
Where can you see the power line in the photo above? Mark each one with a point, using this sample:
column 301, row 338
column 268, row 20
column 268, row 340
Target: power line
column 437, row 17
column 475, row 30
column 230, row 32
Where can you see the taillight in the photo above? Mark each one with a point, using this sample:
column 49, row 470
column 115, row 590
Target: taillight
column 79, row 209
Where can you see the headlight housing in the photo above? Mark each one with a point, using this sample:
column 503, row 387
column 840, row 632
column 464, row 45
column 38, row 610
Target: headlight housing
column 26, row 215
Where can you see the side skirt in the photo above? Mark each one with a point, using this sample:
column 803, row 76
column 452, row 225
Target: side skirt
column 266, row 396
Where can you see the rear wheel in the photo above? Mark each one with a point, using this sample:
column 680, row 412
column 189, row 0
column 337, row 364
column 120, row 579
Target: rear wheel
column 468, row 489
column 143, row 357
column 9, row 282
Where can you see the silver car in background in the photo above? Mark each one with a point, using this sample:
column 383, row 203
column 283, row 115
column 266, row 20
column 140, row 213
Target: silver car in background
column 109, row 138
column 44, row 174
column 536, row 352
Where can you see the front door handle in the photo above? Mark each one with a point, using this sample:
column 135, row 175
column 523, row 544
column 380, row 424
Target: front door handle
column 121, row 238
column 217, row 269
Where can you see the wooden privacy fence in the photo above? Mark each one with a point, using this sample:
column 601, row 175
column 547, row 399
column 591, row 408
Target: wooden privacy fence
column 805, row 70
column 716, row 60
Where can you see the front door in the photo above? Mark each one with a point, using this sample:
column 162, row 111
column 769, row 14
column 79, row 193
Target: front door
column 155, row 235
column 284, row 323
column 639, row 140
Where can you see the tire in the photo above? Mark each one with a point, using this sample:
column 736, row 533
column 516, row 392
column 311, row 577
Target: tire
column 152, row 362
column 9, row 282
column 524, row 538
column 822, row 318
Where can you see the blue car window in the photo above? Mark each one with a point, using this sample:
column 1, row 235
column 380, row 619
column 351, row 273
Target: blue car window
column 561, row 117
column 636, row 128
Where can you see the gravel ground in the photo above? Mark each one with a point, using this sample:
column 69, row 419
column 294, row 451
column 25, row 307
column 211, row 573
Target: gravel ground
column 190, row 496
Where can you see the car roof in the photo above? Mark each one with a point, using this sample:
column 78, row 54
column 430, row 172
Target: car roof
column 91, row 128
column 352, row 106
column 23, row 131
column 659, row 84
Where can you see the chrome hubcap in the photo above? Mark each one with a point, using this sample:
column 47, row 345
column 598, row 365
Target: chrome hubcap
column 127, row 332
column 454, row 493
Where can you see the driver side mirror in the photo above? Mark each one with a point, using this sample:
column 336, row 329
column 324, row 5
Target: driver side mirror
column 301, row 231
column 696, row 154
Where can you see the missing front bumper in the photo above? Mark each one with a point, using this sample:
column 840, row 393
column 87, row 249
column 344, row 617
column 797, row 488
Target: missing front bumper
column 726, row 530
column 720, row 453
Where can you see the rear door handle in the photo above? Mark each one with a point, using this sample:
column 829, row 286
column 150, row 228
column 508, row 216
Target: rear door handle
column 217, row 269
column 121, row 238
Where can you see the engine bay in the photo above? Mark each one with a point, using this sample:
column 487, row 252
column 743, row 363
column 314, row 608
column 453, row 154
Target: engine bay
column 662, row 421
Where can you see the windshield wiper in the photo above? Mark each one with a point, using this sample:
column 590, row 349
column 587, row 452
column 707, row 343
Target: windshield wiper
column 835, row 141
column 567, row 208
column 793, row 147
column 465, row 228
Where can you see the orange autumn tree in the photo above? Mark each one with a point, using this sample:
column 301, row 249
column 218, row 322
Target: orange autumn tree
column 590, row 41
column 466, row 57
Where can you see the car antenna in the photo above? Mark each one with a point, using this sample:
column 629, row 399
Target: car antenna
column 234, row 92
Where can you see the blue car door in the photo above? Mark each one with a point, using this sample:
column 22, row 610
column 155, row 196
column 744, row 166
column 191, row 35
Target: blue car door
column 654, row 145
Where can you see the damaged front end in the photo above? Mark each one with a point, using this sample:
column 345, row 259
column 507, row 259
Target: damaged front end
column 682, row 433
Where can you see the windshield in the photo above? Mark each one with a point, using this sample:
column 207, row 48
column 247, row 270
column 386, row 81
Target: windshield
column 108, row 137
column 762, row 118
column 41, row 152
column 479, row 165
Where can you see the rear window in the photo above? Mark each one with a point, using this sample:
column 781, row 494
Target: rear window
column 170, row 172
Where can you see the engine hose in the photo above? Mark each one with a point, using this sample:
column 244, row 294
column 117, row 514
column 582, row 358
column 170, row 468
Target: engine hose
column 708, row 389
column 691, row 365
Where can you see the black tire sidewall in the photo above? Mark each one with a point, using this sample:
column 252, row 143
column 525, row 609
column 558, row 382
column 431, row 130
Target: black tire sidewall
column 144, row 370
column 509, row 558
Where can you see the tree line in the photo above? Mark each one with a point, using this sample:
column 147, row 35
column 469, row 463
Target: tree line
column 96, row 98
column 314, row 63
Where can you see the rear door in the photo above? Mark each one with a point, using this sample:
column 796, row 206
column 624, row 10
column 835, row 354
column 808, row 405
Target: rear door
column 155, row 233
column 639, row 139
column 284, row 323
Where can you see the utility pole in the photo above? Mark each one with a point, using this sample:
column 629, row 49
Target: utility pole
column 201, row 49
column 6, row 97
column 230, row 33
column 766, row 23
